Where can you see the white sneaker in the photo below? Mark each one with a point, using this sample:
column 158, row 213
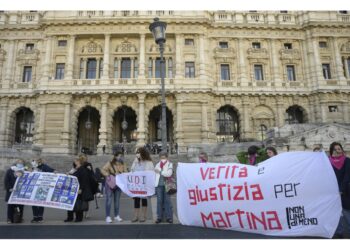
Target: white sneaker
column 117, row 218
column 108, row 219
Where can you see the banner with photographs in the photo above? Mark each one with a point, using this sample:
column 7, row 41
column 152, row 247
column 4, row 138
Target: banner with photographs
column 45, row 190
column 291, row 194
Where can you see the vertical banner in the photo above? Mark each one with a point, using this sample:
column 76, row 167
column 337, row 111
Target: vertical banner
column 291, row 194
column 45, row 190
column 137, row 184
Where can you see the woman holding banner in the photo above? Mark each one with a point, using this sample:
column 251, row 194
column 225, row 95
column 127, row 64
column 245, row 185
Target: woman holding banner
column 341, row 167
column 113, row 192
column 163, row 169
column 143, row 162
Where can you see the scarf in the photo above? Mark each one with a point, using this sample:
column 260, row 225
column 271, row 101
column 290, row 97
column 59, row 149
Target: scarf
column 337, row 161
column 162, row 164
column 252, row 159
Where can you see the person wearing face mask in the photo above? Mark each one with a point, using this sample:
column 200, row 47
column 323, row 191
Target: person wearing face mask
column 111, row 169
column 163, row 169
column 11, row 175
column 143, row 162
column 341, row 167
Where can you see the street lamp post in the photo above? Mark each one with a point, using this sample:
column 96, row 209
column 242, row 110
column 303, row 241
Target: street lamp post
column 124, row 127
column 158, row 30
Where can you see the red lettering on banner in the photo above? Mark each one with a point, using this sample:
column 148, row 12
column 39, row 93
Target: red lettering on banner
column 243, row 172
column 138, row 192
column 212, row 174
column 257, row 195
column 219, row 170
column 239, row 190
column 204, row 174
column 246, row 220
column 192, row 196
column 223, row 172
column 213, row 196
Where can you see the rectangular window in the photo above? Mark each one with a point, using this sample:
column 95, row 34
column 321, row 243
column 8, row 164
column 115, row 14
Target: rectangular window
column 258, row 72
column 81, row 69
column 62, row 43
column 59, row 71
column 323, row 44
column 116, row 68
column 256, row 45
column 225, row 72
column 189, row 42
column 291, row 73
column 150, row 68
column 126, row 68
column 27, row 74
column 348, row 66
column 326, row 69
column 91, row 68
column 333, row 109
column 29, row 46
column 288, row 46
column 158, row 65
column 100, row 73
column 136, row 68
column 189, row 70
column 223, row 45
column 170, row 68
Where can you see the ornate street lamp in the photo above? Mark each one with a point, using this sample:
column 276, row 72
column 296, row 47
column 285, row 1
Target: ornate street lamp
column 158, row 30
column 23, row 127
column 124, row 127
column 88, row 123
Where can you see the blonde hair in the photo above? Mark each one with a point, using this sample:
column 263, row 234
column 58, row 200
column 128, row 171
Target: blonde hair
column 82, row 158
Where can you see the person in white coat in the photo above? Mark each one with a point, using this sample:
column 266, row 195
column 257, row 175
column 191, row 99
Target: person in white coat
column 163, row 169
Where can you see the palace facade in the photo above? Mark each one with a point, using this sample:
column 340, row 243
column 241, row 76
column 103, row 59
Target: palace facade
column 73, row 80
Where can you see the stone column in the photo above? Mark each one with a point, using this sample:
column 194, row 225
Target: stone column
column 346, row 111
column 202, row 53
column 245, row 119
column 154, row 67
column 41, row 129
column 10, row 57
column 242, row 77
column 275, row 63
column 141, row 121
column 317, row 63
column 178, row 65
column 66, row 132
column 205, row 130
column 347, row 71
column 103, row 126
column 324, row 112
column 3, row 122
column 70, row 61
column 338, row 63
column 179, row 129
column 280, row 112
column 142, row 57
column 47, row 60
column 105, row 74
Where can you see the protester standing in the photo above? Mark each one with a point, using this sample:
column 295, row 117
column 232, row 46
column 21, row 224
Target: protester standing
column 341, row 167
column 203, row 157
column 11, row 175
column 39, row 166
column 111, row 170
column 142, row 162
column 271, row 151
column 163, row 170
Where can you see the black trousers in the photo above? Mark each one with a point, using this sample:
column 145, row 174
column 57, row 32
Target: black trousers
column 137, row 202
column 38, row 212
column 78, row 215
column 11, row 209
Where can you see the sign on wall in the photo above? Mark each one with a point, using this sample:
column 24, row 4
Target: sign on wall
column 291, row 194
column 45, row 190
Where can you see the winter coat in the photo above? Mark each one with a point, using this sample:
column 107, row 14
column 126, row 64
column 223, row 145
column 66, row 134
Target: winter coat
column 108, row 169
column 45, row 168
column 9, row 182
column 343, row 178
column 148, row 165
column 84, row 182
column 166, row 172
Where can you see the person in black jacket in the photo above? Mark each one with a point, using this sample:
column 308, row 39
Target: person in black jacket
column 341, row 167
column 10, row 179
column 84, row 193
column 39, row 166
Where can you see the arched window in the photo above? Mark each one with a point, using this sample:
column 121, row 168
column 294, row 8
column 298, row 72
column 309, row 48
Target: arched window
column 227, row 124
column 24, row 129
column 294, row 115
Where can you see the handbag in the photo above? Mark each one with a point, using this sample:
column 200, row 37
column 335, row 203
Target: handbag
column 110, row 180
column 170, row 184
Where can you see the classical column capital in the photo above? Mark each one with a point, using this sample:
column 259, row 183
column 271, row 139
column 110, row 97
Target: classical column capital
column 141, row 98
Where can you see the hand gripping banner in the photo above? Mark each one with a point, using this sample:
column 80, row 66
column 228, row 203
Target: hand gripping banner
column 291, row 194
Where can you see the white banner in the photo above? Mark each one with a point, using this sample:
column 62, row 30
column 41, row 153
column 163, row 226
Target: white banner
column 291, row 194
column 137, row 184
column 45, row 190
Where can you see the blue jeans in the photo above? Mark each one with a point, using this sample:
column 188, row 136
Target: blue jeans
column 344, row 222
column 116, row 197
column 163, row 201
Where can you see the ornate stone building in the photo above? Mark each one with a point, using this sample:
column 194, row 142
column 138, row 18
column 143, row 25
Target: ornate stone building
column 89, row 79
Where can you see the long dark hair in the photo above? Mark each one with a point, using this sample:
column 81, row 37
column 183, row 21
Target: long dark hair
column 144, row 154
column 272, row 149
column 332, row 147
